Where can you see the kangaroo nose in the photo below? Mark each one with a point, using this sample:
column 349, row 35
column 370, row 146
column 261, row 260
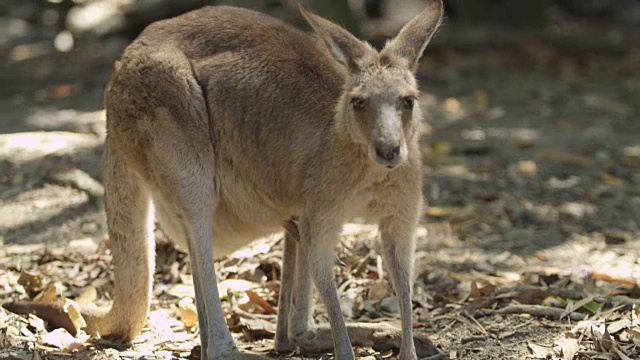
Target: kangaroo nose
column 387, row 152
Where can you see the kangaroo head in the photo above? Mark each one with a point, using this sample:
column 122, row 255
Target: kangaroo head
column 379, row 106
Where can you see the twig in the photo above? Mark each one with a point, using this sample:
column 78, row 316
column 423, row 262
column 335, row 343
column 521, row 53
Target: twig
column 473, row 338
column 539, row 310
column 476, row 324
column 447, row 326
column 624, row 300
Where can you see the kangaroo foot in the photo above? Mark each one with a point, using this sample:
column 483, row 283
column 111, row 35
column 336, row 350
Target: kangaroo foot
column 380, row 337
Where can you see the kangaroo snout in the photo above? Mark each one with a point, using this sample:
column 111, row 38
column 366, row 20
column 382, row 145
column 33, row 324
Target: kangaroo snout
column 388, row 153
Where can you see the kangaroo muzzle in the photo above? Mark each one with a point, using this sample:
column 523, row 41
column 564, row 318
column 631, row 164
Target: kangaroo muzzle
column 388, row 153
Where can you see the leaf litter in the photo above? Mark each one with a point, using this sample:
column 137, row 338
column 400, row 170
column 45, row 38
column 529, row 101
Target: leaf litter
column 593, row 315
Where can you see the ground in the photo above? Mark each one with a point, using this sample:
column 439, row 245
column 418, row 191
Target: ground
column 528, row 246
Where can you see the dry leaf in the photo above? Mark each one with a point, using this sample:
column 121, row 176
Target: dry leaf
column 235, row 285
column 475, row 292
column 569, row 348
column 635, row 334
column 181, row 291
column 256, row 329
column 31, row 282
column 539, row 351
column 47, row 295
column 188, row 312
column 604, row 341
column 258, row 300
column 619, row 325
column 73, row 310
column 61, row 339
column 620, row 275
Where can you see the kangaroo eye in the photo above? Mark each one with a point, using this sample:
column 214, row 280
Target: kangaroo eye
column 407, row 102
column 358, row 103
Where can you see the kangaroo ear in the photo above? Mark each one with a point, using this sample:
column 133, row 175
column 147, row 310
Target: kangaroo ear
column 410, row 43
column 344, row 47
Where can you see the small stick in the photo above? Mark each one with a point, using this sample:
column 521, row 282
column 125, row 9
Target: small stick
column 539, row 310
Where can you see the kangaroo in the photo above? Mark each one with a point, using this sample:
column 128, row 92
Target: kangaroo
column 223, row 125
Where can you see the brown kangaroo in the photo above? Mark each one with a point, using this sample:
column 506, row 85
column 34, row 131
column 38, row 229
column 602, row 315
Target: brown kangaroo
column 222, row 125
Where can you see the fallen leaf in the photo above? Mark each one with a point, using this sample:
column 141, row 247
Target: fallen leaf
column 61, row 339
column 569, row 348
column 73, row 310
column 258, row 300
column 475, row 292
column 592, row 306
column 539, row 351
column 575, row 306
column 49, row 294
column 31, row 282
column 604, row 341
column 618, row 275
column 618, row 325
column 187, row 312
column 235, row 285
column 182, row 291
column 256, row 329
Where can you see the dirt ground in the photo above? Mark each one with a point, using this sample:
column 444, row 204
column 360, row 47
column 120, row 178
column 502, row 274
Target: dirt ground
column 529, row 244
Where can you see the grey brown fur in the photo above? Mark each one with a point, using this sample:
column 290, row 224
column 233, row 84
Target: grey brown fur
column 224, row 123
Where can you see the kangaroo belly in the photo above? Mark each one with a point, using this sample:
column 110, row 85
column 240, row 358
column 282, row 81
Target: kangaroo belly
column 245, row 212
column 241, row 216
